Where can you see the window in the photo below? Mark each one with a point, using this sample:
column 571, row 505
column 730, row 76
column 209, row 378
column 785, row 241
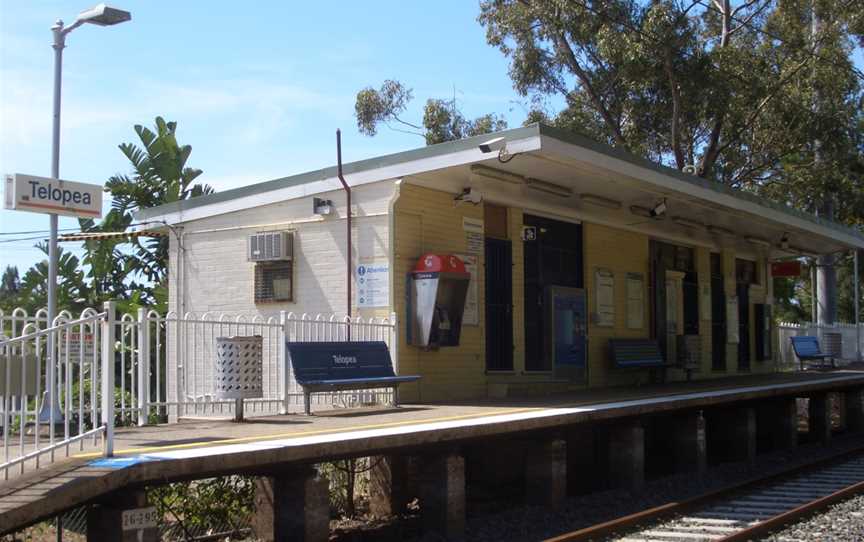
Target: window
column 274, row 282
column 745, row 272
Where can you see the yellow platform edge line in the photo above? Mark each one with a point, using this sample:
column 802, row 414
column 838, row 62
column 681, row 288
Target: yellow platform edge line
column 258, row 438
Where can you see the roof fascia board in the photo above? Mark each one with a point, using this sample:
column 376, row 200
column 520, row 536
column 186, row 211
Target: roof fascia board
column 651, row 173
column 357, row 174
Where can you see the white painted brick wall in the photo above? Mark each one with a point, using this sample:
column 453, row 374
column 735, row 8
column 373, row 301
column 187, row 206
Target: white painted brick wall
column 214, row 275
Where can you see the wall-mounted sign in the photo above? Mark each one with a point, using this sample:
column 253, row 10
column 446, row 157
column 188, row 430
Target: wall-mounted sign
column 529, row 233
column 473, row 234
column 373, row 285
column 791, row 268
column 471, row 314
column 635, row 301
column 44, row 195
column 604, row 297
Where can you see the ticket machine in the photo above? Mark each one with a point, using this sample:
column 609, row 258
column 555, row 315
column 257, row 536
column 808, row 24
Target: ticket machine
column 438, row 289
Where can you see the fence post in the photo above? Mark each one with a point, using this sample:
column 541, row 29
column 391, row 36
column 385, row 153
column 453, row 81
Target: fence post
column 394, row 341
column 108, row 377
column 143, row 367
column 283, row 360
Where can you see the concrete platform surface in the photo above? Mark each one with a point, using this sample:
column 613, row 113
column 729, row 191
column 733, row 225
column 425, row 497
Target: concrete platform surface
column 209, row 447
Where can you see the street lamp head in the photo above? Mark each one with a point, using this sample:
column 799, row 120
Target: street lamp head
column 103, row 15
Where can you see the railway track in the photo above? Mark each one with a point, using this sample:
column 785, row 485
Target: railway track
column 736, row 514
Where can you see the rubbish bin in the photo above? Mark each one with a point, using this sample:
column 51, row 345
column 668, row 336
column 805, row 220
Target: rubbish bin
column 239, row 371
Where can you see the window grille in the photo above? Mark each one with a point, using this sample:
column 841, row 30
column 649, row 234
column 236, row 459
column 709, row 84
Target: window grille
column 274, row 282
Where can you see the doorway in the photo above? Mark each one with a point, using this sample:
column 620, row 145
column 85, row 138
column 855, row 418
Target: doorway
column 743, row 292
column 553, row 257
column 499, row 305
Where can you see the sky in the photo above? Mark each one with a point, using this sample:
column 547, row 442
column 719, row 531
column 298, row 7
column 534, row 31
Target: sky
column 258, row 89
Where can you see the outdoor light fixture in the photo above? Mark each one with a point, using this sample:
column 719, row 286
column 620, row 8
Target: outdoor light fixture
column 496, row 174
column 103, row 15
column 645, row 212
column 322, row 207
column 549, row 188
column 600, row 201
column 681, row 221
column 784, row 241
column 719, row 230
column 758, row 241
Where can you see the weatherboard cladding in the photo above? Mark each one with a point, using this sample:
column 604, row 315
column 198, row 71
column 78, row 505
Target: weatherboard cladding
column 441, row 149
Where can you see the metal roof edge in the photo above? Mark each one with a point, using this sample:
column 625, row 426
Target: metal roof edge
column 330, row 172
column 583, row 141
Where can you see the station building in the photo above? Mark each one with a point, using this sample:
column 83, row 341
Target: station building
column 568, row 243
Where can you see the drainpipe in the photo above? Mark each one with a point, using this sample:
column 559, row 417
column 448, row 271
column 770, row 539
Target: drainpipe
column 348, row 223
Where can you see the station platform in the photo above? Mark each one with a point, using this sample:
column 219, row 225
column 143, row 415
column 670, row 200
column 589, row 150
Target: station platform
column 198, row 448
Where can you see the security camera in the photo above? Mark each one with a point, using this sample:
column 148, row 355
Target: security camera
column 492, row 145
column 469, row 195
column 658, row 209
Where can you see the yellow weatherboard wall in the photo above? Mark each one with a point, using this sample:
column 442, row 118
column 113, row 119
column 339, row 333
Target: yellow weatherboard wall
column 620, row 252
column 429, row 221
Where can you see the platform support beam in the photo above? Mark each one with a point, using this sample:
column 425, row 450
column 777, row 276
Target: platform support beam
column 546, row 473
column 820, row 418
column 388, row 485
column 293, row 504
column 442, row 494
column 105, row 518
column 690, row 445
column 626, row 453
column 854, row 403
column 779, row 423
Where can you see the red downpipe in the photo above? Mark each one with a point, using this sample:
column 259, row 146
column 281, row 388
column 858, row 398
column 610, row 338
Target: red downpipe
column 348, row 221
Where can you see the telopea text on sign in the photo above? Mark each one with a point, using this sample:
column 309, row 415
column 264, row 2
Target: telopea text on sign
column 44, row 195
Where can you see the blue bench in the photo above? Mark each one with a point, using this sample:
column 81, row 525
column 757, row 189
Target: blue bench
column 807, row 349
column 338, row 366
column 638, row 354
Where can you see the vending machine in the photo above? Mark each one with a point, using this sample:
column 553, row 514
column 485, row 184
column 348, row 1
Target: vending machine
column 437, row 293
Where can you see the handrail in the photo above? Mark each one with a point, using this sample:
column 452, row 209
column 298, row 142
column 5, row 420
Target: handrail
column 46, row 331
column 42, row 451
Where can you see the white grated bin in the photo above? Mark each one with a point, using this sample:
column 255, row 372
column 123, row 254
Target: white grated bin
column 239, row 370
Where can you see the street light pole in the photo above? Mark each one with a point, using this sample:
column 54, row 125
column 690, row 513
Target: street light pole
column 100, row 15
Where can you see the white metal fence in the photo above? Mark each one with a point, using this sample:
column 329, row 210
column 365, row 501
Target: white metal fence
column 73, row 358
column 153, row 368
column 848, row 334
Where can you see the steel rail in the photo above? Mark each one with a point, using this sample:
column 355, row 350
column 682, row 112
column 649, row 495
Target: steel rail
column 631, row 521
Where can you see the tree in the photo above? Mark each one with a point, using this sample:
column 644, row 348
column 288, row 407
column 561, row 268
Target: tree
column 10, row 284
column 159, row 175
column 681, row 83
column 442, row 121
column 72, row 289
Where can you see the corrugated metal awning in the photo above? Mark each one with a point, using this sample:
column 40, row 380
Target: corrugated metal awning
column 112, row 235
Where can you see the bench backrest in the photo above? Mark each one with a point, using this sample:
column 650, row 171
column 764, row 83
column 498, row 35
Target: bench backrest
column 627, row 353
column 806, row 346
column 316, row 361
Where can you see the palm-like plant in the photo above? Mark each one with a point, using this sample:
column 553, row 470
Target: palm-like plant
column 159, row 175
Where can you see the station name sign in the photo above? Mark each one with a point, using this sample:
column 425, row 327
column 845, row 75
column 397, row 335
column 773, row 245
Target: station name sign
column 44, row 195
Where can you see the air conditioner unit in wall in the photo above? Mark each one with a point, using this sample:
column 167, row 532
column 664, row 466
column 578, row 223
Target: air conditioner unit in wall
column 271, row 246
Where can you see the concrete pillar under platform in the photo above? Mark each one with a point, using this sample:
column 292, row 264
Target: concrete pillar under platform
column 546, row 473
column 583, row 474
column 777, row 423
column 854, row 410
column 820, row 418
column 626, row 455
column 294, row 505
column 442, row 494
column 389, row 492
column 690, row 444
column 105, row 519
column 732, row 434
